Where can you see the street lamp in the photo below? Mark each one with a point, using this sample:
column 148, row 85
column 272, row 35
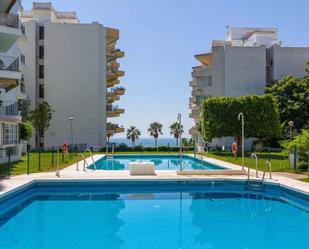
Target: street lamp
column 71, row 119
column 291, row 124
column 241, row 116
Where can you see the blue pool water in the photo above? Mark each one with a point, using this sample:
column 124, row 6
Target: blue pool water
column 162, row 162
column 154, row 215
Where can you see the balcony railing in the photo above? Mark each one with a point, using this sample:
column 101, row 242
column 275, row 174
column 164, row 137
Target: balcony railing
column 111, row 108
column 9, row 108
column 9, row 20
column 9, row 63
column 43, row 6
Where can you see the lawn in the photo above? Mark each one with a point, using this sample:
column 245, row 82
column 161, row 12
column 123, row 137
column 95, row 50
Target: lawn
column 278, row 160
column 305, row 180
column 46, row 164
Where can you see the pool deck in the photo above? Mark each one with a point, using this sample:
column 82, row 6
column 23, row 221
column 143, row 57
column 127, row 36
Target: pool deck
column 71, row 173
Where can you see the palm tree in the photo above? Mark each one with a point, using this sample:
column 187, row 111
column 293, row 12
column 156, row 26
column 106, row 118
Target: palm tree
column 176, row 130
column 155, row 129
column 133, row 133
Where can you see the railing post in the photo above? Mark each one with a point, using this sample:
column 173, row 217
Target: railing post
column 295, row 155
column 62, row 156
column 39, row 159
column 9, row 161
column 53, row 155
column 28, row 163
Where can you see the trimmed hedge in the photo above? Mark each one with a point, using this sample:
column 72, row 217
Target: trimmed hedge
column 261, row 115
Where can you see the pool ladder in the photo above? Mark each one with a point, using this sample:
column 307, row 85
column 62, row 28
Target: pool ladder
column 93, row 162
column 265, row 166
column 112, row 152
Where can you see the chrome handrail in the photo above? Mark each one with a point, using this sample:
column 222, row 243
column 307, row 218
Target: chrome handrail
column 253, row 155
column 267, row 163
column 84, row 160
column 58, row 162
column 88, row 150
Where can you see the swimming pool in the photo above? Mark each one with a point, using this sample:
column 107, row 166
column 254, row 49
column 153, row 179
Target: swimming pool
column 162, row 162
column 169, row 214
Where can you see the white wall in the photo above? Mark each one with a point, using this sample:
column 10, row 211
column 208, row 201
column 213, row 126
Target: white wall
column 75, row 82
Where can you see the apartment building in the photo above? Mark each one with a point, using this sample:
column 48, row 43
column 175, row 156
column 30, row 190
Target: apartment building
column 244, row 63
column 72, row 66
column 11, row 79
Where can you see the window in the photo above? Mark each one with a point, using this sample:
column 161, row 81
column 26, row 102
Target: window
column 41, row 52
column 41, row 91
column 204, row 81
column 10, row 134
column 22, row 87
column 41, row 72
column 41, row 32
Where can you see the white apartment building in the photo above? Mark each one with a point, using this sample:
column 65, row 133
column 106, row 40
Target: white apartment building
column 11, row 79
column 244, row 63
column 73, row 66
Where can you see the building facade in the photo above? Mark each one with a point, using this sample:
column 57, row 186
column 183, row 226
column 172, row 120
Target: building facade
column 11, row 79
column 73, row 67
column 244, row 63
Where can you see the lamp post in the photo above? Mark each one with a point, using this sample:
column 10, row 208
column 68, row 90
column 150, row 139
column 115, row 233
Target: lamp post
column 180, row 142
column 71, row 119
column 291, row 124
column 241, row 116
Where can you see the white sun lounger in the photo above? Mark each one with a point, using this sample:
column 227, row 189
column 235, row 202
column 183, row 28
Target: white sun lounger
column 142, row 168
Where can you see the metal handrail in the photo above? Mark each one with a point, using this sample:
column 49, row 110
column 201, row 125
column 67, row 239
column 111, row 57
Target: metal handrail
column 88, row 150
column 9, row 20
column 58, row 163
column 267, row 163
column 9, row 63
column 84, row 160
column 253, row 155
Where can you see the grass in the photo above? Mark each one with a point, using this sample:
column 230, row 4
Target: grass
column 305, row 180
column 278, row 160
column 46, row 165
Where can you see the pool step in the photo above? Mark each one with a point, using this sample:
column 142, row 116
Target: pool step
column 255, row 186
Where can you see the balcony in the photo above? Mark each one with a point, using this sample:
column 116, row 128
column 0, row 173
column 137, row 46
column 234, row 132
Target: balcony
column 119, row 90
column 113, row 111
column 111, row 83
column 113, row 128
column 112, row 35
column 197, row 92
column 9, row 111
column 10, row 30
column 195, row 113
column 111, row 97
column 114, row 74
column 9, row 72
column 114, row 54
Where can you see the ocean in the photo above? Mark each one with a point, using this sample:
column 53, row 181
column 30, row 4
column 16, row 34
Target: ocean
column 145, row 141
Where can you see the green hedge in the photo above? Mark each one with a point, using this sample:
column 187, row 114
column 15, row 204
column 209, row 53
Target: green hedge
column 261, row 115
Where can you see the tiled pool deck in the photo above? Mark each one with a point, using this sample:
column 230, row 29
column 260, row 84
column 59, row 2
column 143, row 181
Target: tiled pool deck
column 70, row 173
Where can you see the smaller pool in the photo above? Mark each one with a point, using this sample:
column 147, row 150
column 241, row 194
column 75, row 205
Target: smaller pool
column 162, row 162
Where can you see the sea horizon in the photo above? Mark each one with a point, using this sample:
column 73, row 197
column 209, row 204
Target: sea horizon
column 145, row 141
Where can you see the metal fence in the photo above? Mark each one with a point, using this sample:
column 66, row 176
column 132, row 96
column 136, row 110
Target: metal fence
column 36, row 160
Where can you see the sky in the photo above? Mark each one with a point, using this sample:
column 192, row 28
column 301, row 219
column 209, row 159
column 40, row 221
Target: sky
column 161, row 37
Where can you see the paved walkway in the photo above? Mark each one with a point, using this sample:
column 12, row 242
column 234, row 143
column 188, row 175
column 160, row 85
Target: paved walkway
column 71, row 173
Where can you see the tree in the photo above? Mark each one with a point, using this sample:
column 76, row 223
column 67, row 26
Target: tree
column 109, row 131
column 175, row 130
column 26, row 130
column 292, row 94
column 132, row 134
column 301, row 143
column 307, row 68
column 155, row 129
column 260, row 112
column 41, row 117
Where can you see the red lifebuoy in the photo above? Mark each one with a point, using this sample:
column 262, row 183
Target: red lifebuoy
column 234, row 148
column 65, row 147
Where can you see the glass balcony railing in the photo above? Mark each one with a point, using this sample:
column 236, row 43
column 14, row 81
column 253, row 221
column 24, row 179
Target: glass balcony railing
column 9, row 20
column 9, row 108
column 9, row 63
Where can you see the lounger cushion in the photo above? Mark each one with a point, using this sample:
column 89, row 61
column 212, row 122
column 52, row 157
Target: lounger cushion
column 142, row 168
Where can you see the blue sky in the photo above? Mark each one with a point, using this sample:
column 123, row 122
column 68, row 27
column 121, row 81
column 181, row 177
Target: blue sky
column 160, row 38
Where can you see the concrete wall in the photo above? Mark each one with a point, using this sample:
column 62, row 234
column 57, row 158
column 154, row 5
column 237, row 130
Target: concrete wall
column 289, row 60
column 75, row 82
column 245, row 70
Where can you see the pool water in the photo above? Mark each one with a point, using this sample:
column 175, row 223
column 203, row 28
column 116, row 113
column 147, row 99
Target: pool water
column 162, row 162
column 216, row 215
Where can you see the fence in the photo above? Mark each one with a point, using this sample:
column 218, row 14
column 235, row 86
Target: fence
column 37, row 160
